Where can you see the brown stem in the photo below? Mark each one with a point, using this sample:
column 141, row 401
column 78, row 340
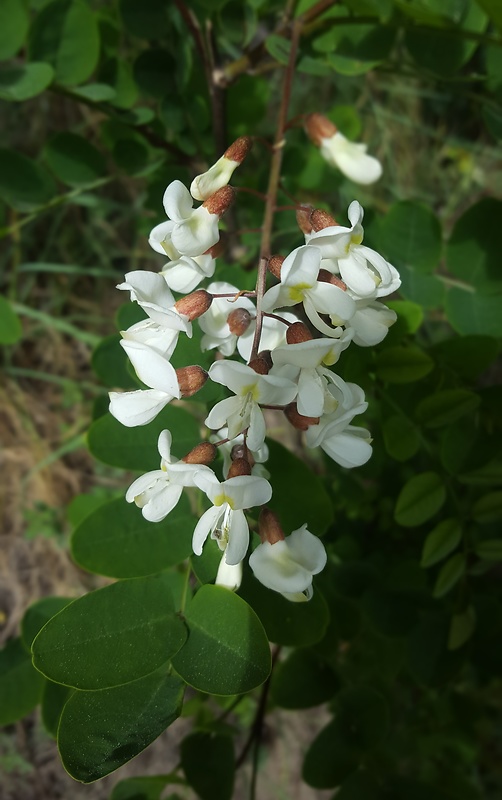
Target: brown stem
column 278, row 318
column 273, row 185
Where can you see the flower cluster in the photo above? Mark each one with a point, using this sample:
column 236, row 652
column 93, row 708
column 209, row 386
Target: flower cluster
column 274, row 349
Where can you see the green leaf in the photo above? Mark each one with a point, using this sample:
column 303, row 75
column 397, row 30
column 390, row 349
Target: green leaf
column 24, row 185
column 420, row 498
column 411, row 236
column 10, row 324
column 462, row 627
column 118, row 73
column 472, row 252
column 136, row 448
column 329, row 759
column 100, row 731
column 96, row 92
column 308, row 503
column 148, row 20
column 426, row 290
column 444, row 408
column 74, row 160
column 111, row 636
column 14, row 27
column 286, row 623
column 441, row 541
column 208, row 762
column 54, row 698
column 227, row 651
column 303, row 680
column 144, row 787
column 110, row 363
column 117, row 541
column 355, row 49
column 489, row 550
column 403, row 364
column 401, row 438
column 474, row 312
column 279, row 48
column 410, row 315
column 20, row 684
column 359, row 786
column 449, row 575
column 494, row 11
column 488, row 508
column 154, row 71
column 37, row 615
column 468, row 356
column 24, row 82
column 65, row 34
column 347, row 120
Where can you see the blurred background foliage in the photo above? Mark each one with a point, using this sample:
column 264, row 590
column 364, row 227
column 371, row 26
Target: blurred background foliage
column 103, row 104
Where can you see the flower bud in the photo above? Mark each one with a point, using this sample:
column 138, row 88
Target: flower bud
column 274, row 264
column 319, row 127
column 297, row 420
column 269, row 527
column 320, row 219
column 262, row 363
column 298, row 332
column 202, row 453
column 220, row 201
column 303, row 214
column 238, row 321
column 229, row 575
column 239, row 149
column 325, row 276
column 240, row 466
column 194, row 304
column 217, row 249
column 191, row 379
column 242, row 451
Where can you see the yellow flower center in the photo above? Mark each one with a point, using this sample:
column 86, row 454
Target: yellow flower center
column 252, row 391
column 297, row 292
column 223, row 498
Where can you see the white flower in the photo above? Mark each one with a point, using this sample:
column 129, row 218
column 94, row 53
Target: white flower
column 243, row 411
column 287, row 566
column 299, row 284
column 371, row 322
column 189, row 231
column 306, row 359
column 150, row 291
column 260, row 456
column 158, row 492
column 184, row 273
column 366, row 273
column 203, row 186
column 351, row 158
column 226, row 521
column 214, row 323
column 229, row 575
column 273, row 334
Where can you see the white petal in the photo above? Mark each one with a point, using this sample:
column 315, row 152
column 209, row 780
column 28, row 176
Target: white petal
column 139, row 407
column 177, row 201
column 198, row 233
column 257, row 427
column 238, row 538
column 349, row 449
column 310, row 400
column 143, row 483
column 217, row 176
column 203, row 528
column 247, row 491
column 164, row 445
column 151, row 368
column 162, row 503
column 148, row 287
column 229, row 575
column 160, row 239
column 307, row 550
column 329, row 299
column 351, row 159
column 273, row 565
column 301, row 267
column 222, row 412
column 208, row 483
column 236, row 376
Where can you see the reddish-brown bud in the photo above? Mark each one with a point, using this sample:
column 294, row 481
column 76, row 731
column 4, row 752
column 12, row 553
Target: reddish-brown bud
column 191, row 379
column 239, row 467
column 217, row 249
column 242, row 451
column 239, row 149
column 202, row 453
column 325, row 276
column 260, row 364
column 297, row 420
column 320, row 219
column 303, row 214
column 269, row 527
column 238, row 321
column 194, row 304
column 274, row 264
column 319, row 127
column 220, row 201
column 298, row 332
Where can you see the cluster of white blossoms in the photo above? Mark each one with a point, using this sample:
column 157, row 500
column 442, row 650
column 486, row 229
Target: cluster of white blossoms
column 327, row 295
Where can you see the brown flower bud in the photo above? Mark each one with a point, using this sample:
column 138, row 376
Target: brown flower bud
column 202, row 453
column 217, row 249
column 238, row 321
column 242, row 451
column 194, row 304
column 303, row 214
column 239, row 149
column 220, row 201
column 260, row 364
column 320, row 219
column 297, row 420
column 298, row 332
column 319, row 127
column 240, row 466
column 269, row 527
column 191, row 379
column 274, row 264
column 325, row 276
